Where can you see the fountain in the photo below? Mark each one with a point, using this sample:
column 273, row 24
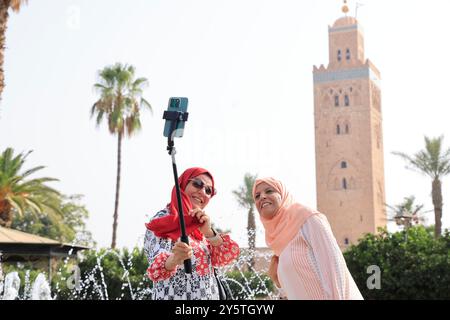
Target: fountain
column 10, row 288
column 245, row 282
column 41, row 289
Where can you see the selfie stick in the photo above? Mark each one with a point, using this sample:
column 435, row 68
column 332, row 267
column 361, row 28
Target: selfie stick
column 175, row 117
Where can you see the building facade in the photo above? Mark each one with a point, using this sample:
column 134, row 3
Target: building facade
column 348, row 136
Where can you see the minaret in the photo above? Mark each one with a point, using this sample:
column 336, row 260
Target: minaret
column 348, row 136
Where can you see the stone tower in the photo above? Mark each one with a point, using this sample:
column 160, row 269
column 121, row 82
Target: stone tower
column 348, row 136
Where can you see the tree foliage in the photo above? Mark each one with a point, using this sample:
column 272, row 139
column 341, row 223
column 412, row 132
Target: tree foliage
column 244, row 196
column 433, row 161
column 69, row 227
column 120, row 105
column 5, row 5
column 19, row 193
column 413, row 264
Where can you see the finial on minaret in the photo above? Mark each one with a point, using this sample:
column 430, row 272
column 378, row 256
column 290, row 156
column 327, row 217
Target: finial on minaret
column 345, row 7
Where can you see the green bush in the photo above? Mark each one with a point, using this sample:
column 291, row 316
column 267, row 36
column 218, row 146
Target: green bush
column 248, row 285
column 413, row 264
column 108, row 274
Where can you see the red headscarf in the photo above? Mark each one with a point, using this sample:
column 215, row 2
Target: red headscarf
column 169, row 226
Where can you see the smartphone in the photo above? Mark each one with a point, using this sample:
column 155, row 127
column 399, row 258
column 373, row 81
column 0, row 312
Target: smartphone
column 178, row 105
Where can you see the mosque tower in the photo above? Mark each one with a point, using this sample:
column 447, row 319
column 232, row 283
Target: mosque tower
column 348, row 136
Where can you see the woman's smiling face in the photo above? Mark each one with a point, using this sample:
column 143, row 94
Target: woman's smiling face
column 198, row 197
column 267, row 200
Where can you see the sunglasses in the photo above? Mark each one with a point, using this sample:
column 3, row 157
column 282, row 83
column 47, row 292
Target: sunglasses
column 199, row 184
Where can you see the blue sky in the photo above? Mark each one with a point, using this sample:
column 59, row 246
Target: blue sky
column 246, row 67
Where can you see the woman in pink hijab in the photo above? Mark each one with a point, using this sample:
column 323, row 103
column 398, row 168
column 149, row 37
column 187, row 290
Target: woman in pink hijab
column 308, row 264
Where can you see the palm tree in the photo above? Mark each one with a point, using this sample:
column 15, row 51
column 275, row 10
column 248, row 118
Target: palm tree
column 407, row 213
column 5, row 5
column 244, row 197
column 119, row 104
column 18, row 194
column 435, row 163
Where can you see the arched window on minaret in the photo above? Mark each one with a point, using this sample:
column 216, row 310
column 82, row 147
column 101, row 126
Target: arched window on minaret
column 339, row 55
column 346, row 100
column 338, row 129
column 344, row 165
column 347, row 54
column 344, row 184
column 336, row 101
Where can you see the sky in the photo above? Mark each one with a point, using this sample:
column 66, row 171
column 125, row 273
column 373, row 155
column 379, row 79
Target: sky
column 246, row 67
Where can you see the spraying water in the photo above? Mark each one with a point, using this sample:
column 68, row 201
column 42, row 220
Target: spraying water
column 241, row 276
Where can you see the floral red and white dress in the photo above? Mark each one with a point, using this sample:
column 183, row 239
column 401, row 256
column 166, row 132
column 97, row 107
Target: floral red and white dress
column 177, row 285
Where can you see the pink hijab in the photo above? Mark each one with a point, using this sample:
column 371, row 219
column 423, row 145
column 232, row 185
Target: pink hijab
column 287, row 221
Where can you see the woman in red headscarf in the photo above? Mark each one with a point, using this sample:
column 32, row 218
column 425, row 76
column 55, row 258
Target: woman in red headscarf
column 207, row 249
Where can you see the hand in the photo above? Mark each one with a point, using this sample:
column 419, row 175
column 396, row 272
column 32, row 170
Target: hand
column 273, row 274
column 180, row 252
column 205, row 220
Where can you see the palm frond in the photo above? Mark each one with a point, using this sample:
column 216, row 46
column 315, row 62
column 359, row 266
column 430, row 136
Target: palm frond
column 31, row 171
column 99, row 118
column 36, row 187
column 147, row 105
column 417, row 163
column 17, row 203
column 244, row 194
column 100, row 87
column 34, row 205
column 23, row 193
column 55, row 209
column 140, row 83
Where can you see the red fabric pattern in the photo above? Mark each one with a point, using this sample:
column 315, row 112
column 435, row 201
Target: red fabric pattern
column 157, row 271
column 225, row 253
column 201, row 257
column 220, row 256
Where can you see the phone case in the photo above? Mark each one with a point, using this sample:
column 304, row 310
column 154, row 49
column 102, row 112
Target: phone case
column 179, row 105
